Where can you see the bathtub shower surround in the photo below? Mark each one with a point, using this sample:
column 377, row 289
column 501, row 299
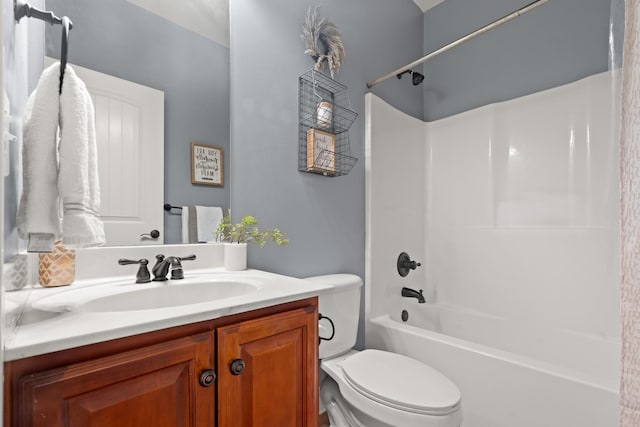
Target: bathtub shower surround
column 519, row 213
column 630, row 168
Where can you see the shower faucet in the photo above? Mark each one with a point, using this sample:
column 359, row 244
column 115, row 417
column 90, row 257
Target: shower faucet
column 412, row 293
column 416, row 77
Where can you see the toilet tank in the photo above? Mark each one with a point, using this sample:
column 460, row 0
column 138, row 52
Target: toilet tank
column 342, row 306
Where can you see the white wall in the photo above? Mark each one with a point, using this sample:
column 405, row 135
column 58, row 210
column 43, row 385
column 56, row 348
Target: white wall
column 523, row 209
column 513, row 208
column 395, row 156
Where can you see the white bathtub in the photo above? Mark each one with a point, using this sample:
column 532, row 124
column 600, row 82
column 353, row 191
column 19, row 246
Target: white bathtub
column 550, row 379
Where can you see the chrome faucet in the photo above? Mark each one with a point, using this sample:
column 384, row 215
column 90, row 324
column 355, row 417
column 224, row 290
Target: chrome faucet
column 412, row 293
column 161, row 268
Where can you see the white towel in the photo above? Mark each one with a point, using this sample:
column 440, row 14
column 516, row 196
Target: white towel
column 39, row 211
column 78, row 177
column 185, row 225
column 208, row 219
column 60, row 172
column 205, row 221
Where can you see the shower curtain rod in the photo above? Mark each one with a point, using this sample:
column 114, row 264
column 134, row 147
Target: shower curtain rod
column 461, row 40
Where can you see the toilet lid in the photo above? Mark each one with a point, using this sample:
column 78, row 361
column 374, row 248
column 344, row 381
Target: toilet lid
column 401, row 382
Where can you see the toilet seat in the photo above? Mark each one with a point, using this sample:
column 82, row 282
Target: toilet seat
column 401, row 382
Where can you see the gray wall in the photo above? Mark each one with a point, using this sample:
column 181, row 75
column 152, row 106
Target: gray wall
column 121, row 39
column 323, row 217
column 557, row 43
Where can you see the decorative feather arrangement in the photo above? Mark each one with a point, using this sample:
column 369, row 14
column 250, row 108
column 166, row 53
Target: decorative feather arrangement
column 322, row 41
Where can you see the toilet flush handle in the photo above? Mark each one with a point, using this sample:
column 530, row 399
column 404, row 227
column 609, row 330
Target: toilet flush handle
column 333, row 328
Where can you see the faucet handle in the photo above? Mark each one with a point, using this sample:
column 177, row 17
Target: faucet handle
column 411, row 264
column 177, row 272
column 405, row 264
column 142, row 276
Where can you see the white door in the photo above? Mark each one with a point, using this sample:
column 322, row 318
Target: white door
column 130, row 138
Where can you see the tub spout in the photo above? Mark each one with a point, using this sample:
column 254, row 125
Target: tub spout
column 412, row 293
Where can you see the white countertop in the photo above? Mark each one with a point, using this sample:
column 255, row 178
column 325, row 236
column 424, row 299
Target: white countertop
column 52, row 319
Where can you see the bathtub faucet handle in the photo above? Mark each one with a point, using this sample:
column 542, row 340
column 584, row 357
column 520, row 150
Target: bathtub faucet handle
column 412, row 264
column 405, row 264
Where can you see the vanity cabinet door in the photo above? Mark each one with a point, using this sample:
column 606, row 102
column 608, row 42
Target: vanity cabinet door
column 154, row 386
column 268, row 370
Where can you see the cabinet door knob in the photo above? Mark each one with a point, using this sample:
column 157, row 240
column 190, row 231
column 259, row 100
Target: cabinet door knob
column 237, row 366
column 207, row 377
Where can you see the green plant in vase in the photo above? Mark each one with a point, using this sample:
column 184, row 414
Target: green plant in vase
column 238, row 235
column 247, row 231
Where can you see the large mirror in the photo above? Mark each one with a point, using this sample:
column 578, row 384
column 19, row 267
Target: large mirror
column 178, row 48
column 141, row 42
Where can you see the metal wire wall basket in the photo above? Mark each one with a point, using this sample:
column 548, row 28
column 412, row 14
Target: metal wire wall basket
column 324, row 121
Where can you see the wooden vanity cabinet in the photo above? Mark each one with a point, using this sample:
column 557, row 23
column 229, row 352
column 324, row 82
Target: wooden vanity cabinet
column 267, row 371
column 155, row 386
column 160, row 378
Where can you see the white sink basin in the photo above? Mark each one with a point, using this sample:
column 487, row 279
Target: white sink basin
column 168, row 296
column 150, row 296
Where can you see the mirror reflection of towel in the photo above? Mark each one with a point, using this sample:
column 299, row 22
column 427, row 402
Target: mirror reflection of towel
column 192, row 223
column 199, row 223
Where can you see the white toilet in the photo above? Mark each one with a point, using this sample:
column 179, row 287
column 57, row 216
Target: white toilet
column 374, row 388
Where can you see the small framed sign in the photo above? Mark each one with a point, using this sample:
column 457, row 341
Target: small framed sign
column 321, row 156
column 207, row 165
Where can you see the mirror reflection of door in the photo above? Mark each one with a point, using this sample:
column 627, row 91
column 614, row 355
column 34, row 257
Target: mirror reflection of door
column 130, row 139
